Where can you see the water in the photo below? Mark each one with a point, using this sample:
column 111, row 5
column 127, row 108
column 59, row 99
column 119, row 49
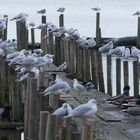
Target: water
column 116, row 15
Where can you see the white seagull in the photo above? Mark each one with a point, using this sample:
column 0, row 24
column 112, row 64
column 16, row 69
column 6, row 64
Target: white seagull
column 61, row 9
column 77, row 86
column 86, row 110
column 64, row 110
column 96, row 9
column 42, row 11
column 60, row 87
column 62, row 67
column 107, row 47
column 136, row 13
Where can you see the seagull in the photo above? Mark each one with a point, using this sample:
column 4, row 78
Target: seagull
column 119, row 51
column 127, row 53
column 136, row 13
column 77, row 86
column 2, row 53
column 84, row 110
column 60, row 86
column 42, row 11
column 64, row 110
column 135, row 51
column 32, row 24
column 22, row 78
column 41, row 26
column 96, row 9
column 61, row 9
column 107, row 47
column 20, row 17
column 62, row 67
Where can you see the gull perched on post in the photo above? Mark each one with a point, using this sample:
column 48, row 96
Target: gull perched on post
column 42, row 11
column 64, row 110
column 84, row 110
column 96, row 9
column 61, row 9
column 22, row 17
column 107, row 47
column 137, row 13
column 60, row 87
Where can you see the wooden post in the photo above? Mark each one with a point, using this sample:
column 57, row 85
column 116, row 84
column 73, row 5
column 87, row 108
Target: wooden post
column 33, row 111
column 72, row 56
column 62, row 45
column 109, row 77
column 57, row 51
column 75, row 136
column 81, row 63
column 22, row 36
column 54, row 101
column 43, row 124
column 94, row 69
column 43, row 33
column 87, row 132
column 61, row 20
column 32, row 38
column 100, row 73
column 5, row 31
column 65, row 130
column 118, row 75
column 136, row 78
column 51, row 128
column 86, row 64
column 138, row 34
column 50, row 47
column 98, row 30
column 125, row 72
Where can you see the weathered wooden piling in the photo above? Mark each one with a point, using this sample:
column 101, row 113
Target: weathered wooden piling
column 65, row 130
column 33, row 123
column 94, row 69
column 51, row 128
column 86, row 132
column 57, row 51
column 98, row 29
column 32, row 38
column 61, row 20
column 43, row 33
column 109, row 77
column 118, row 75
column 5, row 31
column 100, row 73
column 136, row 69
column 125, row 72
column 22, row 35
column 138, row 33
column 86, row 64
column 43, row 124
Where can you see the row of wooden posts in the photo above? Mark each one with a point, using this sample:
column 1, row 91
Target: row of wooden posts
column 31, row 107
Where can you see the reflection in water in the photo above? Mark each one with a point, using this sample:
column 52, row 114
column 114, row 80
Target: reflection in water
column 9, row 134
